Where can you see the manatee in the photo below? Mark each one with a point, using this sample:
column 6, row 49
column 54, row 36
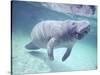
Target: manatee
column 51, row 34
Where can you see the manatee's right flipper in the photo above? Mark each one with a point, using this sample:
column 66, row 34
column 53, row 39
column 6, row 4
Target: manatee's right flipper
column 67, row 53
column 31, row 46
column 50, row 47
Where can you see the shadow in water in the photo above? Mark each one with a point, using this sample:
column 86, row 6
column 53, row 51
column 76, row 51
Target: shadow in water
column 55, row 66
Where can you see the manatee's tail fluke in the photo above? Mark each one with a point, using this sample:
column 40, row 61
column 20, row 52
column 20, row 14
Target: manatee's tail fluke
column 31, row 46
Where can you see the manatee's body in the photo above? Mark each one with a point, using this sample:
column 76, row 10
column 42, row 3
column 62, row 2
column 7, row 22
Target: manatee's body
column 45, row 30
column 57, row 34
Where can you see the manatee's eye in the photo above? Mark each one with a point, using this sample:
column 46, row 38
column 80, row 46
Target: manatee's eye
column 73, row 23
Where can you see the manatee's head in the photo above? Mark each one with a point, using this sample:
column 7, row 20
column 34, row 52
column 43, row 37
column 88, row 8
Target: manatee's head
column 79, row 28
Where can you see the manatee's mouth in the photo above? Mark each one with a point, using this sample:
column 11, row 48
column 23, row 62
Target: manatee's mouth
column 79, row 36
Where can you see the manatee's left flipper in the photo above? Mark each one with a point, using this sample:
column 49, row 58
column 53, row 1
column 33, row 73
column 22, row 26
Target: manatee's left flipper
column 50, row 47
column 67, row 53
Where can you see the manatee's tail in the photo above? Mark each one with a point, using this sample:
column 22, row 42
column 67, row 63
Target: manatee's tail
column 31, row 46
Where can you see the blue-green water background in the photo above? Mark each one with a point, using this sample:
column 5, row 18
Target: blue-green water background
column 24, row 16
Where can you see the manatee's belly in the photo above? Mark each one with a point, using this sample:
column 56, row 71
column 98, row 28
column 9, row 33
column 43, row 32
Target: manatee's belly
column 41, row 43
column 65, row 43
column 62, row 44
column 44, row 45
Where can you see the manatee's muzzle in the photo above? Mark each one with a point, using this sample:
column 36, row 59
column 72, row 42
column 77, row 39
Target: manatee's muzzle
column 85, row 30
column 82, row 33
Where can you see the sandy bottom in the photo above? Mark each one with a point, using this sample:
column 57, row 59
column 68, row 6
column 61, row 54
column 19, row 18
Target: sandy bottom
column 83, row 57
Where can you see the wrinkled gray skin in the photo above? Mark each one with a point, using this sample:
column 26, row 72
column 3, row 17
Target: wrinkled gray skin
column 57, row 34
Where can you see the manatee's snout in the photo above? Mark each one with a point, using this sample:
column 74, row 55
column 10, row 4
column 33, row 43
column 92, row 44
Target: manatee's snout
column 83, row 26
column 82, row 29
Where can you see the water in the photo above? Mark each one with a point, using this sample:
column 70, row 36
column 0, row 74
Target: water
column 24, row 16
